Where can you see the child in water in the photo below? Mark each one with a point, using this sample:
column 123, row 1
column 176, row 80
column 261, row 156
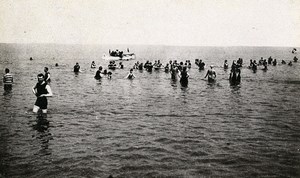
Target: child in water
column 93, row 65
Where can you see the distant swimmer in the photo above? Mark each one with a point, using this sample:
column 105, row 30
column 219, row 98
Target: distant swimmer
column 189, row 64
column 104, row 72
column 211, row 74
column 254, row 66
column 265, row 64
column 167, row 67
column 274, row 62
column 121, row 66
column 251, row 64
column 239, row 62
column 270, row 59
column 136, row 65
column 184, row 77
column 31, row 58
column 295, row 59
column 7, row 80
column 196, row 62
column 283, row 61
column 98, row 73
column 112, row 65
column 290, row 63
column 56, row 64
column 93, row 65
column 76, row 67
column 225, row 64
column 41, row 90
column 47, row 75
column 173, row 72
column 294, row 51
column 130, row 75
column 141, row 66
column 201, row 65
column 109, row 74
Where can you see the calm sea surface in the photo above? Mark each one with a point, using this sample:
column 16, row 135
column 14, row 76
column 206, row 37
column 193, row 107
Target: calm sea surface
column 150, row 126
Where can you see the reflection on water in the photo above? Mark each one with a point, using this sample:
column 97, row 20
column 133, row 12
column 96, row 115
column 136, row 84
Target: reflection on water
column 7, row 94
column 43, row 134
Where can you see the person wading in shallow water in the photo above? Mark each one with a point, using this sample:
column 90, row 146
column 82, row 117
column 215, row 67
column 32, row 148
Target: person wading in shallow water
column 47, row 75
column 41, row 90
column 98, row 73
column 130, row 75
column 184, row 77
column 7, row 80
column 211, row 74
column 76, row 67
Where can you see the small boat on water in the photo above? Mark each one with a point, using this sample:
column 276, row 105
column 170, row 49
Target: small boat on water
column 118, row 55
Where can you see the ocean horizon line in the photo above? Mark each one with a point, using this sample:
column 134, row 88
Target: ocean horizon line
column 164, row 45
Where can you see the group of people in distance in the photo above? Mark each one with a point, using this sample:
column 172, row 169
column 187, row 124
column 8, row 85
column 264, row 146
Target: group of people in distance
column 176, row 69
column 264, row 62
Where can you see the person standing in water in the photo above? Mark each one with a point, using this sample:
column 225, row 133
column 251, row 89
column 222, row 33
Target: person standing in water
column 41, row 90
column 184, row 77
column 211, row 74
column 47, row 75
column 130, row 75
column 98, row 73
column 173, row 72
column 76, row 67
column 225, row 64
column 93, row 65
column 7, row 80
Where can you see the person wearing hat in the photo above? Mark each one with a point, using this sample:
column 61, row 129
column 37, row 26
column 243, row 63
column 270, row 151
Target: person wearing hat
column 211, row 74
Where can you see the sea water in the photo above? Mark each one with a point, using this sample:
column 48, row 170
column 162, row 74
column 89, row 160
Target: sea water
column 150, row 126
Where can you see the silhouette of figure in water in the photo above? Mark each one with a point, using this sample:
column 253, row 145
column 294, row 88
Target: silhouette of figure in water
column 184, row 77
column 173, row 72
column 211, row 74
column 77, row 67
column 7, row 80
column 98, row 73
column 235, row 74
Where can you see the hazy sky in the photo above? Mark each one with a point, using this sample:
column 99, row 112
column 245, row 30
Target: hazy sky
column 165, row 22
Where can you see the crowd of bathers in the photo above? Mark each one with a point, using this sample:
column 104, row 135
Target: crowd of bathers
column 180, row 69
column 177, row 70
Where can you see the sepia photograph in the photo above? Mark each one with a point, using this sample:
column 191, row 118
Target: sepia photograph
column 149, row 88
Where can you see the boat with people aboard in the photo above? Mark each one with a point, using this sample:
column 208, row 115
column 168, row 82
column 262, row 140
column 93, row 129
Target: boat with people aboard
column 119, row 55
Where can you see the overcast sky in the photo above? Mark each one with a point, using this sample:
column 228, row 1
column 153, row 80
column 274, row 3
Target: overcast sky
column 163, row 22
